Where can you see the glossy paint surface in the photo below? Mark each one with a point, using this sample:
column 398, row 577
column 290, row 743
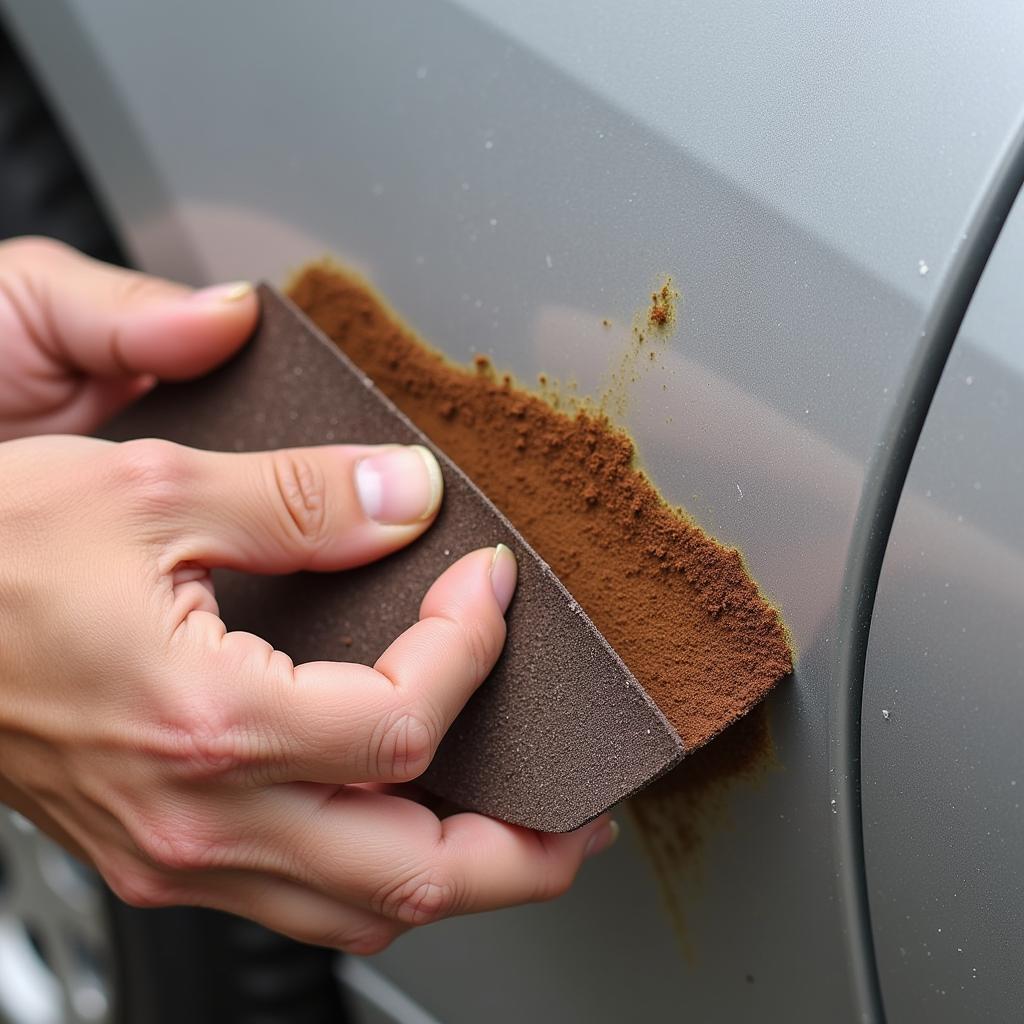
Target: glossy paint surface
column 944, row 686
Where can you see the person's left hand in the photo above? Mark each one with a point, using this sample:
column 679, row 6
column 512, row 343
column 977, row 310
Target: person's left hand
column 79, row 339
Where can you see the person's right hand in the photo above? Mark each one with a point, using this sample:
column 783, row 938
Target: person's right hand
column 192, row 765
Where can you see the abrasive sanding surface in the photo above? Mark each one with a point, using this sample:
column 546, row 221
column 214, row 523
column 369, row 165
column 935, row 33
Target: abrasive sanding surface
column 560, row 730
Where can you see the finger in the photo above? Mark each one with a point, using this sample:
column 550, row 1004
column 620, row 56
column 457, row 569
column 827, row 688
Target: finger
column 349, row 723
column 105, row 321
column 393, row 857
column 293, row 910
column 85, row 404
column 322, row 508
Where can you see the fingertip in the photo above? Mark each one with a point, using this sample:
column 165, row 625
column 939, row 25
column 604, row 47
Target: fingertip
column 471, row 584
column 601, row 837
column 514, row 864
column 106, row 321
column 189, row 335
column 399, row 485
column 436, row 479
column 224, row 295
column 504, row 573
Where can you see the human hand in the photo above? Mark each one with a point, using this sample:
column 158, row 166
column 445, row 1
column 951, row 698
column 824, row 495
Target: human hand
column 192, row 765
column 79, row 339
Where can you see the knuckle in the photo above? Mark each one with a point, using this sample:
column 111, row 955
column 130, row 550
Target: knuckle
column 177, row 847
column 180, row 841
column 301, row 491
column 206, row 754
column 153, row 473
column 421, row 900
column 198, row 746
column 139, row 886
column 405, row 747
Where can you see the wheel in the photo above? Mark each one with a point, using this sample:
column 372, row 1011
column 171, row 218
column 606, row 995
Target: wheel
column 70, row 953
column 56, row 940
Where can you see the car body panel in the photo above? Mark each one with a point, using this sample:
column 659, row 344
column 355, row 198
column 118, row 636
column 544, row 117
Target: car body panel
column 943, row 758
column 510, row 176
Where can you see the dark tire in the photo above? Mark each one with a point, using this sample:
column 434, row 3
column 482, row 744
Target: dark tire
column 180, row 964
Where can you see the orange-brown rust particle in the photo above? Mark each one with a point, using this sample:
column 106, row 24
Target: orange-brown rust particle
column 662, row 311
column 679, row 608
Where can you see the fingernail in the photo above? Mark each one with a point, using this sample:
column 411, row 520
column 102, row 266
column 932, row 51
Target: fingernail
column 223, row 292
column 504, row 572
column 399, row 486
column 601, row 839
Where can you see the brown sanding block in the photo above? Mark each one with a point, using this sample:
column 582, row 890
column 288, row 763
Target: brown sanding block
column 561, row 730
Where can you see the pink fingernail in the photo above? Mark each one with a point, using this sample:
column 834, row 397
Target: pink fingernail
column 504, row 573
column 399, row 486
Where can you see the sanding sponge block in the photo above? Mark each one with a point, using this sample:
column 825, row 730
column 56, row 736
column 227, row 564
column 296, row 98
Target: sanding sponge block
column 560, row 730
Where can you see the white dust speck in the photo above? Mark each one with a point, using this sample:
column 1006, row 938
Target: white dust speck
column 922, row 267
column 489, row 144
column 740, row 489
column 493, row 222
column 548, row 260
column 968, row 380
column 886, row 713
column 834, row 806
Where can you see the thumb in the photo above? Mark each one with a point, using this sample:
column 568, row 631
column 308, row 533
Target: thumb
column 104, row 321
column 326, row 508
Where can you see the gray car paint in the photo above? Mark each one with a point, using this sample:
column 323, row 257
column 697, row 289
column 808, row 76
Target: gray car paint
column 944, row 687
column 510, row 175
